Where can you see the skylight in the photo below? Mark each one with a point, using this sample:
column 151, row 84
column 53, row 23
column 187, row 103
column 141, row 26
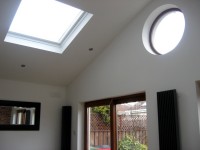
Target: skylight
column 46, row 24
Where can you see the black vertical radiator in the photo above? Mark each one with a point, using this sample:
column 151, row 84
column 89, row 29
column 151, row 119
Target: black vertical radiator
column 66, row 128
column 168, row 120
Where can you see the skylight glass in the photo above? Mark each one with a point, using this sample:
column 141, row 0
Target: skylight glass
column 46, row 22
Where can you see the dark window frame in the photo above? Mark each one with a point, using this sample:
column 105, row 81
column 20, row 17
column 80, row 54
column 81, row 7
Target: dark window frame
column 157, row 19
column 112, row 102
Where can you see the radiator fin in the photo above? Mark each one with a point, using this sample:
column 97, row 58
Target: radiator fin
column 168, row 120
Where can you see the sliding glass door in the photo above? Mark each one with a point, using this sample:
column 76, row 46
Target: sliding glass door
column 117, row 123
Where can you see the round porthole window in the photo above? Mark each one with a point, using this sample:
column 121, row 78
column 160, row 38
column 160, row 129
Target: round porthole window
column 166, row 31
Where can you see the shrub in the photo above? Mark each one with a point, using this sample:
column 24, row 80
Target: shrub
column 103, row 111
column 130, row 143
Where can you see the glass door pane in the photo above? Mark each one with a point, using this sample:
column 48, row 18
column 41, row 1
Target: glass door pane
column 131, row 126
column 99, row 128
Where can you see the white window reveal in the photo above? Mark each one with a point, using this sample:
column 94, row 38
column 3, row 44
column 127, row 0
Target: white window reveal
column 165, row 32
column 46, row 24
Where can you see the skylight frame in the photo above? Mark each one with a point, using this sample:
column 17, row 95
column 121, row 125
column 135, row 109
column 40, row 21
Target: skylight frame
column 47, row 45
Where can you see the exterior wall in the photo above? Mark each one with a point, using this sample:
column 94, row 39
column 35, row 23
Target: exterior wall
column 125, row 67
column 5, row 115
column 52, row 99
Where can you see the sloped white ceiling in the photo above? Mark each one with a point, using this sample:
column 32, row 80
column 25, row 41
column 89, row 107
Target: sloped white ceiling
column 110, row 17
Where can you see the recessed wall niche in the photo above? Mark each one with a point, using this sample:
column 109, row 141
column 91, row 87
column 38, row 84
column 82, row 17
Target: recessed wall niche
column 198, row 98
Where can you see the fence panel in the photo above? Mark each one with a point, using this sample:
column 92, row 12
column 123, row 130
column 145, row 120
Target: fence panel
column 132, row 125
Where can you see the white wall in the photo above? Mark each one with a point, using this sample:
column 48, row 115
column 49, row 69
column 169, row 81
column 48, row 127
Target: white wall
column 125, row 67
column 52, row 99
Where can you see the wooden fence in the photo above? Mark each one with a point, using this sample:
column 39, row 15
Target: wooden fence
column 132, row 125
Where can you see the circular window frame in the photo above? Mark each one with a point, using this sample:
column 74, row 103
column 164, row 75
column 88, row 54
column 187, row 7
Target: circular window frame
column 152, row 24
